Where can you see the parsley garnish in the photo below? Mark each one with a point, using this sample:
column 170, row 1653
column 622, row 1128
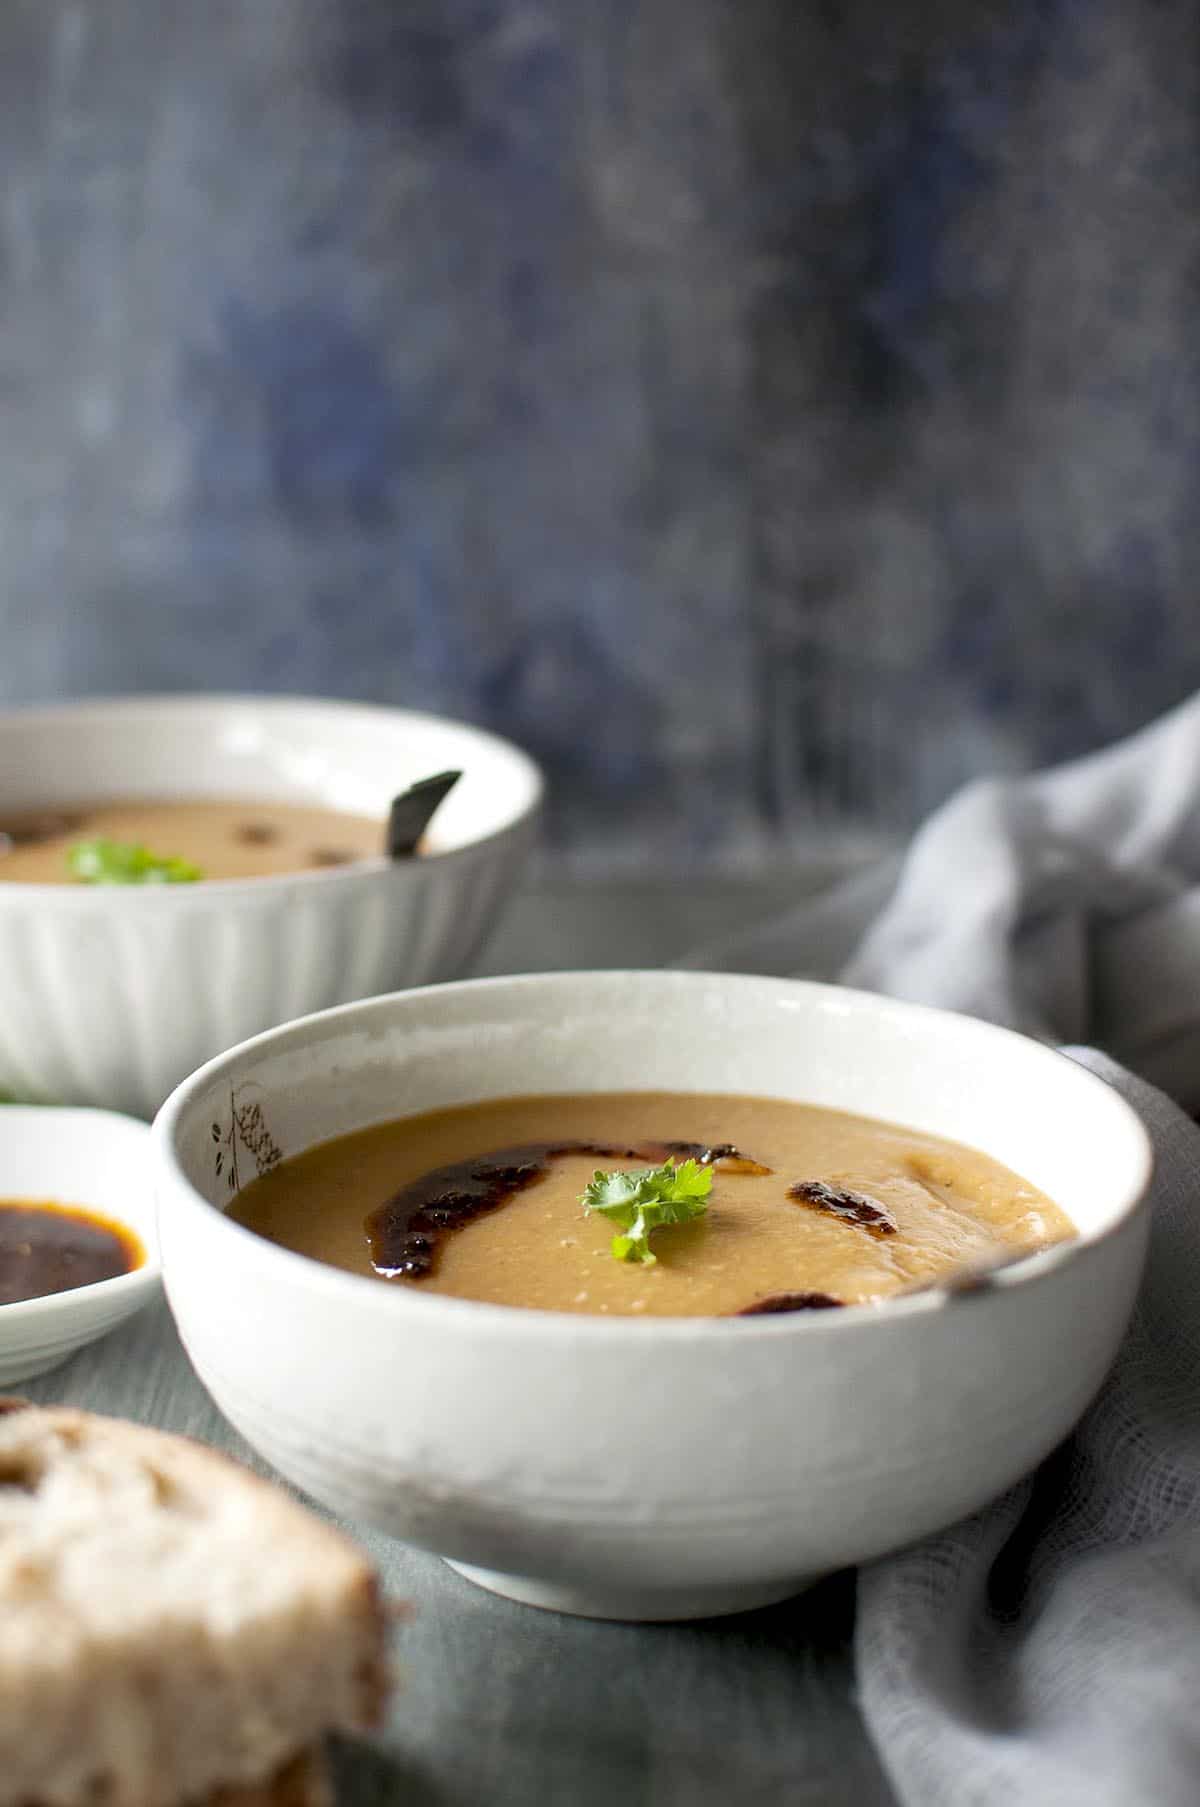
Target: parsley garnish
column 646, row 1201
column 121, row 863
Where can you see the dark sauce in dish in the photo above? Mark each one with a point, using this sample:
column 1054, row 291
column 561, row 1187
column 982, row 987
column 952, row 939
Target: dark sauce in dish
column 50, row 1248
column 403, row 1234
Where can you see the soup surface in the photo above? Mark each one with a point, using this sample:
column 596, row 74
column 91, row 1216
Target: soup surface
column 842, row 1210
column 51, row 1248
column 228, row 837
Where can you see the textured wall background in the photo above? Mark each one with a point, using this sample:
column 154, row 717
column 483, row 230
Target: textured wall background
column 769, row 411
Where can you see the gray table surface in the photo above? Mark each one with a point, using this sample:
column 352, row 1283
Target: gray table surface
column 505, row 1705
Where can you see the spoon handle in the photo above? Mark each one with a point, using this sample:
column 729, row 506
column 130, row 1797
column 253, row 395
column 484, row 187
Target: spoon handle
column 978, row 1276
column 412, row 811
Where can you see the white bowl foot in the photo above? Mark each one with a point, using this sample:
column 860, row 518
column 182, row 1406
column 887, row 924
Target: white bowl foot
column 640, row 1604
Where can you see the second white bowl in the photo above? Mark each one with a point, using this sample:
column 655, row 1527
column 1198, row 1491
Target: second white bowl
column 109, row 995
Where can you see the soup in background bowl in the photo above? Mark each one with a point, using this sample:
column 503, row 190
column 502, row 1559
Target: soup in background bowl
column 627, row 1464
column 202, row 837
column 111, row 993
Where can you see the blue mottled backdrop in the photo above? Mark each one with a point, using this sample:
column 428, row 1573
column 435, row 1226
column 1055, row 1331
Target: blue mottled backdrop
column 769, row 411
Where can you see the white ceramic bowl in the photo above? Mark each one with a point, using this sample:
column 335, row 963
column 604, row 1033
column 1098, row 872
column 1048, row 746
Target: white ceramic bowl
column 69, row 1157
column 111, row 994
column 632, row 1468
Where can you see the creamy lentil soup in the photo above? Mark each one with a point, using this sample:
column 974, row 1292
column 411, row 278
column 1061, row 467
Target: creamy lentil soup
column 808, row 1207
column 224, row 837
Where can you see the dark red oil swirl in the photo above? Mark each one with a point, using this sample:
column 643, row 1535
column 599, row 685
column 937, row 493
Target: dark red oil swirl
column 781, row 1302
column 850, row 1207
column 404, row 1233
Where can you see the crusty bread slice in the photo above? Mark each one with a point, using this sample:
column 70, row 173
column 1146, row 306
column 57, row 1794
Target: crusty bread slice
column 172, row 1628
column 304, row 1782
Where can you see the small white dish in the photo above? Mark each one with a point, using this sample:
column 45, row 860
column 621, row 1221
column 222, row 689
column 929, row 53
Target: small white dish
column 111, row 994
column 632, row 1468
column 96, row 1160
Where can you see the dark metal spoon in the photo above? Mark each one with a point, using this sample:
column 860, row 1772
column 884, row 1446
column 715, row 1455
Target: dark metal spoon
column 413, row 810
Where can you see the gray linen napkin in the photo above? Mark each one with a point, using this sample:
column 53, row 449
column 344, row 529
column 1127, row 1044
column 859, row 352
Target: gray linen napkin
column 1046, row 1653
column 1066, row 904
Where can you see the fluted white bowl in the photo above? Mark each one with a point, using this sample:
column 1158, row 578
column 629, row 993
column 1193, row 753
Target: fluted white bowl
column 100, row 1161
column 627, row 1467
column 109, row 995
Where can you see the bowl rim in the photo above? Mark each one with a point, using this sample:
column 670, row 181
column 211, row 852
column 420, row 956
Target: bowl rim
column 142, row 1278
column 1039, row 1267
column 48, row 715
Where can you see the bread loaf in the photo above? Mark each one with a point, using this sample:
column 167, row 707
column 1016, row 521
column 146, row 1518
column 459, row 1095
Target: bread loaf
column 173, row 1630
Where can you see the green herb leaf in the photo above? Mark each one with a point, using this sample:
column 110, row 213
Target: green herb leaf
column 643, row 1202
column 122, row 863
